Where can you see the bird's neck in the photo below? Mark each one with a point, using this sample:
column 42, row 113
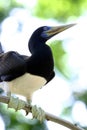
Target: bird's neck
column 36, row 45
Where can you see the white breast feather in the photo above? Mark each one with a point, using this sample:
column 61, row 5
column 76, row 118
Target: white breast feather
column 25, row 85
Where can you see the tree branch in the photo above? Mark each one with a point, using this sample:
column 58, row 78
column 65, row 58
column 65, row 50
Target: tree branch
column 48, row 116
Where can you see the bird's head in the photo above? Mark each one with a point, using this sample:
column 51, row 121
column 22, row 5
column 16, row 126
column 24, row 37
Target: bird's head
column 44, row 33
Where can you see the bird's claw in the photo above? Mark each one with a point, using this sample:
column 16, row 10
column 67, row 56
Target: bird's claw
column 38, row 113
column 17, row 103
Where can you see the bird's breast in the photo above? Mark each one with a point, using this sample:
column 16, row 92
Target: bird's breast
column 26, row 84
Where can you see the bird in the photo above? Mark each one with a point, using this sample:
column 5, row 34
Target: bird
column 23, row 75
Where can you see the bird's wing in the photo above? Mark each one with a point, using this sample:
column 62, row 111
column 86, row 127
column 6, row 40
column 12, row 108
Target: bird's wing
column 12, row 65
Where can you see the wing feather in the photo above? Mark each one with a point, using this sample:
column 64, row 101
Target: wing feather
column 12, row 65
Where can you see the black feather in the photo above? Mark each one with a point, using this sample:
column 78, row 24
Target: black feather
column 12, row 65
column 40, row 63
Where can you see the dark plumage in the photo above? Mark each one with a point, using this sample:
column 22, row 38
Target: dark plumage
column 40, row 65
column 13, row 65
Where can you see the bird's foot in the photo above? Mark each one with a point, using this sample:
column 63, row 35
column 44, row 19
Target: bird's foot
column 38, row 113
column 15, row 102
column 18, row 104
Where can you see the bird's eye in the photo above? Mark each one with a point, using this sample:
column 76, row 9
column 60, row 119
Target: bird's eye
column 44, row 34
column 46, row 28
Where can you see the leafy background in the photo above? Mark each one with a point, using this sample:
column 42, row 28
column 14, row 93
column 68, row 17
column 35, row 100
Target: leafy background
column 55, row 12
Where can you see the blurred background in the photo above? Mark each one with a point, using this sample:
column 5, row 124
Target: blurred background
column 66, row 95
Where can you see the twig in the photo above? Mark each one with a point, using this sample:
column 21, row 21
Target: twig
column 48, row 116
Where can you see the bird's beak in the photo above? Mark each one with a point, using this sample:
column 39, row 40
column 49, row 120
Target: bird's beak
column 55, row 30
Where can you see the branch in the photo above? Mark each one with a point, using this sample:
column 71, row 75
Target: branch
column 48, row 116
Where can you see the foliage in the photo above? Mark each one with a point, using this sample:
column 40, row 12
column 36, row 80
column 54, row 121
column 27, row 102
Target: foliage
column 82, row 96
column 61, row 59
column 60, row 10
column 16, row 121
column 6, row 6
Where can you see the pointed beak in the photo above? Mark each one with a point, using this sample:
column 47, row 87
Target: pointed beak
column 55, row 30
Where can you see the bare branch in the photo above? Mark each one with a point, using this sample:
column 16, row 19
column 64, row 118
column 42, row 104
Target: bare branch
column 48, row 116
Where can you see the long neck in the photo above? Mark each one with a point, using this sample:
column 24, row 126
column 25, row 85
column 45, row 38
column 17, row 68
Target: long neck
column 35, row 43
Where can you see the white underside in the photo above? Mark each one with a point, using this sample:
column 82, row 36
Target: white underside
column 25, row 85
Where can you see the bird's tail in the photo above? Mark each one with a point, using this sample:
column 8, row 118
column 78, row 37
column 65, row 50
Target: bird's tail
column 1, row 49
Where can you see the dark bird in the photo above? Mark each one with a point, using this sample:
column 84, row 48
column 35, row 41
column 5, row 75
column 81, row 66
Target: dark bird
column 24, row 75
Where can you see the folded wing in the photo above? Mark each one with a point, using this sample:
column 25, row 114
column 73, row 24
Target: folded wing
column 12, row 65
